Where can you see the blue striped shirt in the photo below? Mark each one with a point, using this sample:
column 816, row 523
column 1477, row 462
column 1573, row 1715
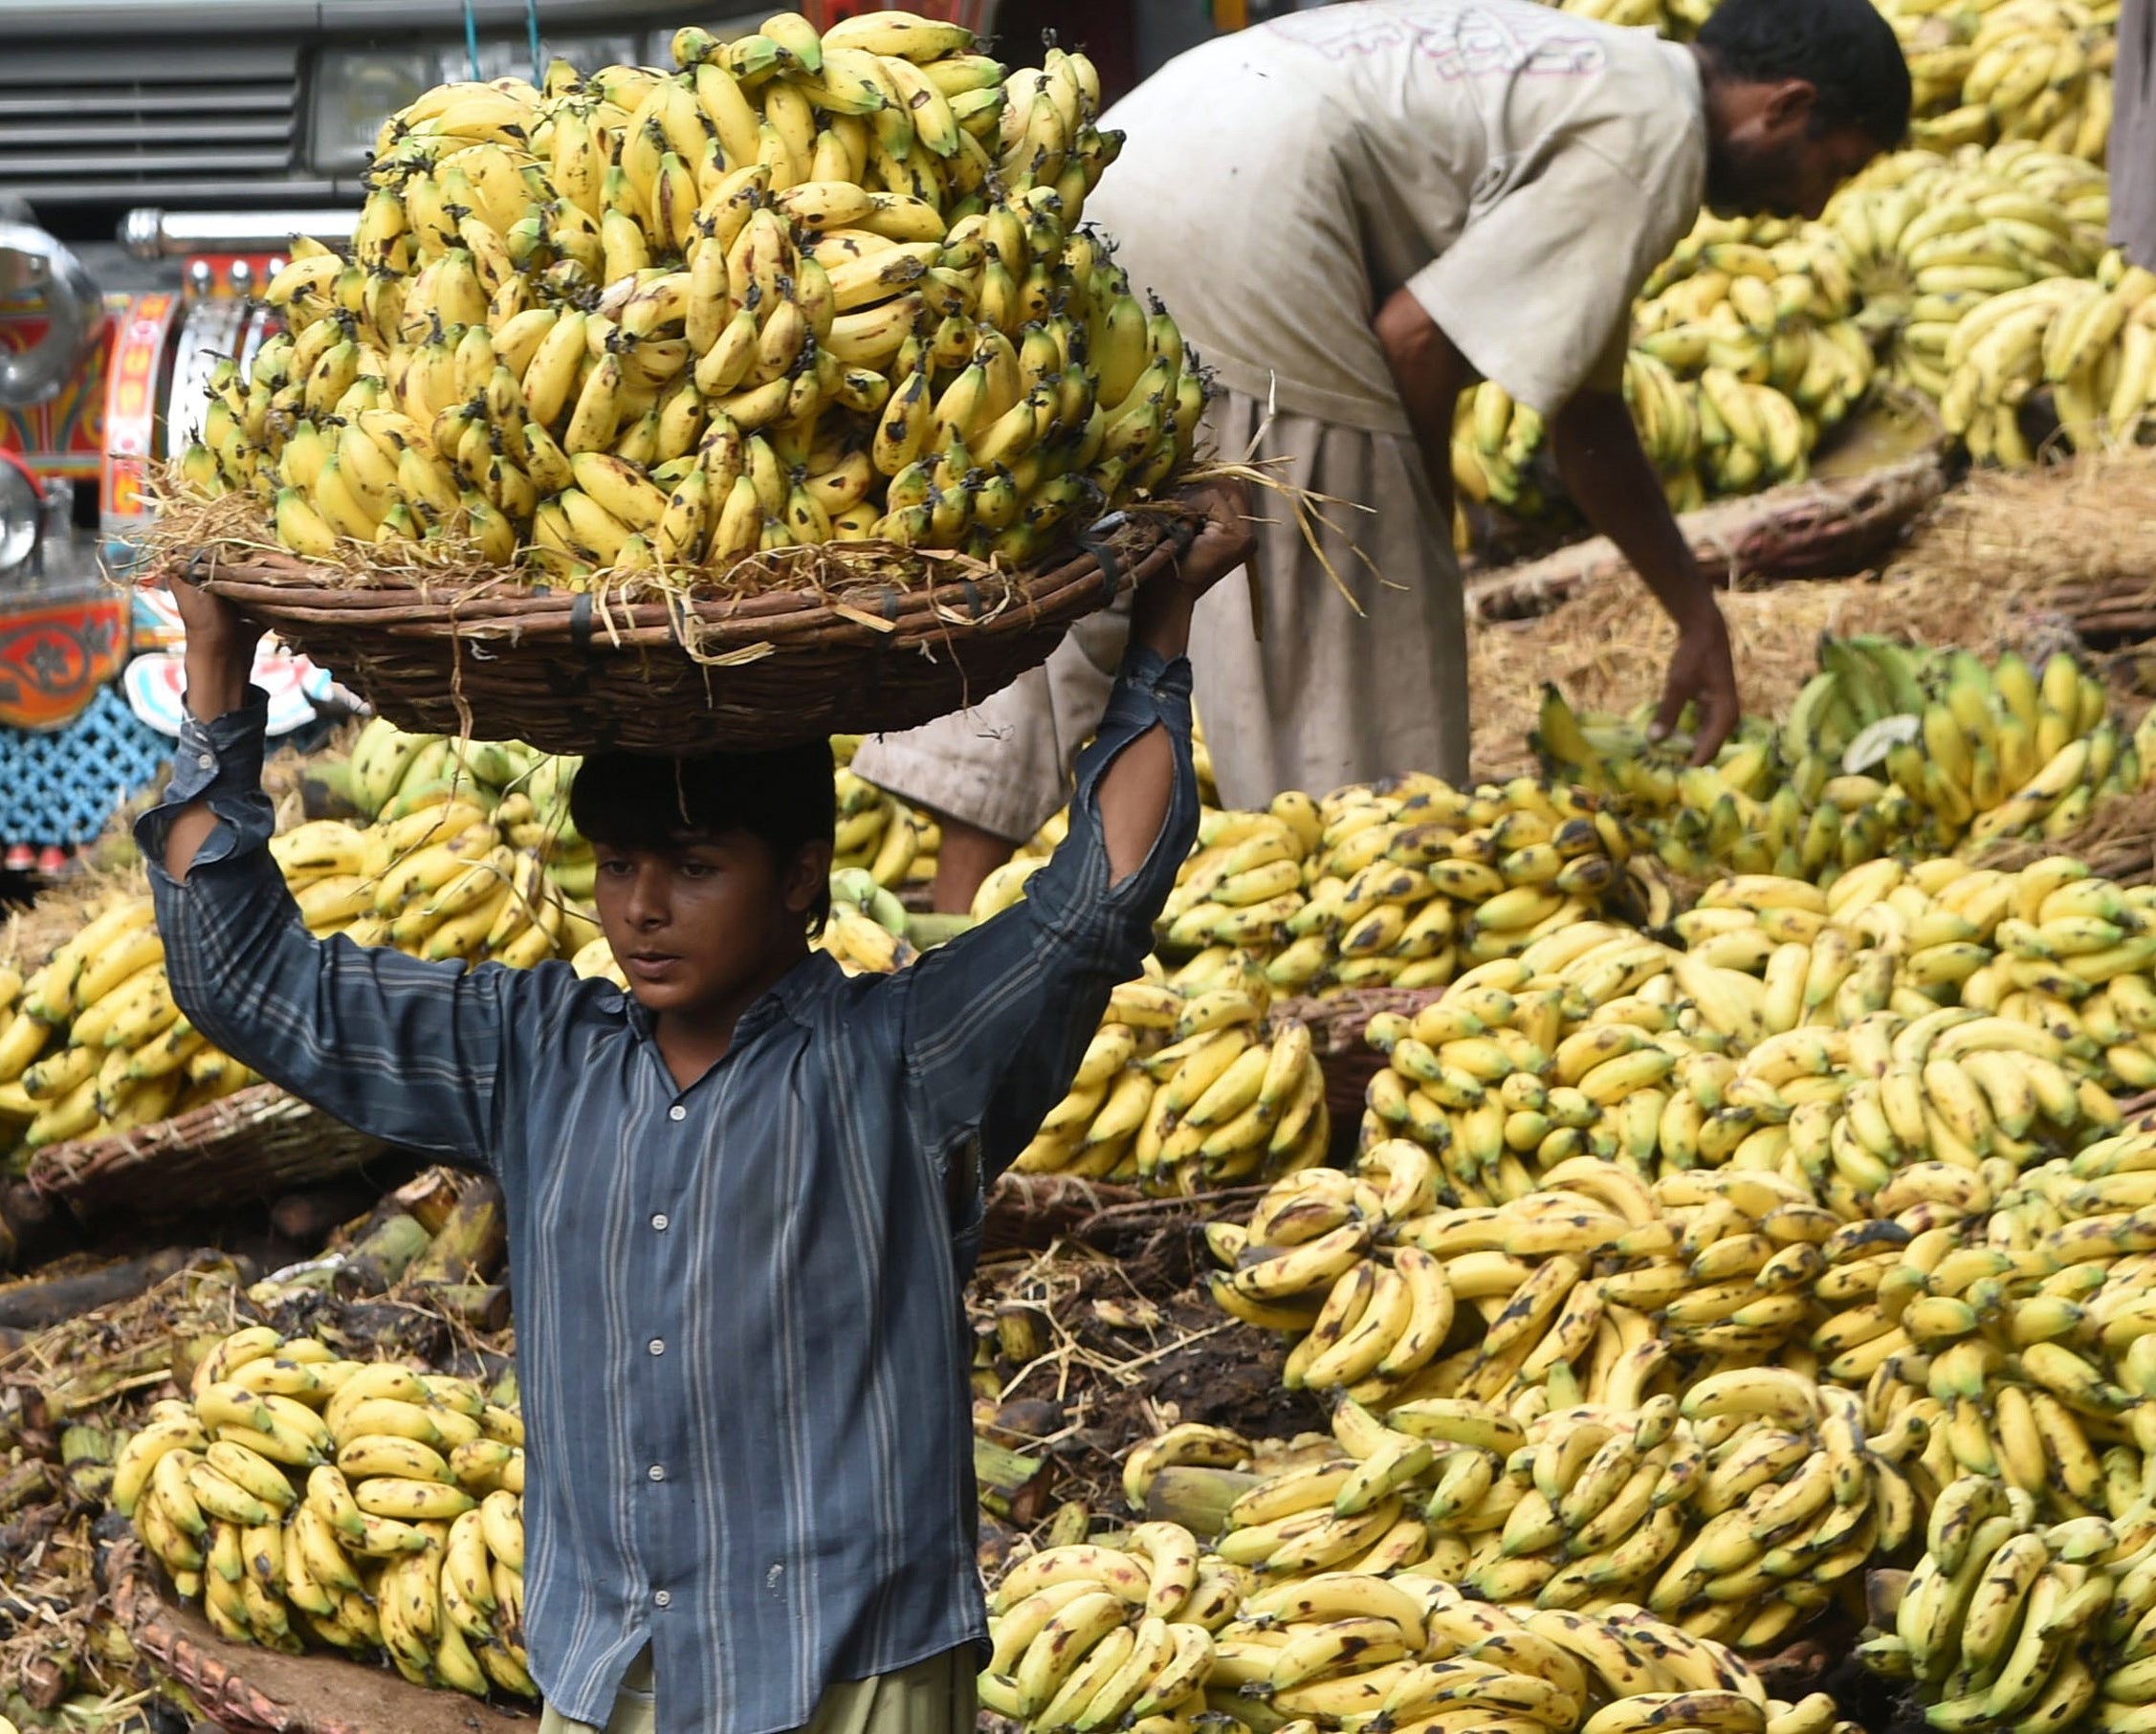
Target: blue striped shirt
column 739, row 1331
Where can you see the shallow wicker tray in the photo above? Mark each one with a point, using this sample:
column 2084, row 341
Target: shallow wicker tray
column 252, row 1144
column 832, row 650
column 245, row 1690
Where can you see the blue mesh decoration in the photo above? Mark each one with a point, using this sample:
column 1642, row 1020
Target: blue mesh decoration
column 63, row 786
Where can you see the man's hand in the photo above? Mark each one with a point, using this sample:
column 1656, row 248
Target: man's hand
column 220, row 648
column 1161, row 614
column 1701, row 672
column 1611, row 480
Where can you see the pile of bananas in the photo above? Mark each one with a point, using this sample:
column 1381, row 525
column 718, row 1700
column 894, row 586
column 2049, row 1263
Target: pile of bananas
column 392, row 775
column 882, row 835
column 1179, row 1092
column 1745, row 352
column 1678, row 18
column 1378, row 1280
column 795, row 289
column 2030, row 71
column 2035, row 71
column 2088, row 342
column 1887, row 749
column 1079, row 1642
column 1393, row 885
column 2009, row 1621
column 1930, row 238
column 375, row 1507
column 94, row 1044
column 1983, row 750
column 441, row 882
column 1529, row 1062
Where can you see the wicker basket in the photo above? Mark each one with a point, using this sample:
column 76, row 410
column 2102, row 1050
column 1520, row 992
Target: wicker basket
column 253, row 1143
column 830, row 646
column 245, row 1690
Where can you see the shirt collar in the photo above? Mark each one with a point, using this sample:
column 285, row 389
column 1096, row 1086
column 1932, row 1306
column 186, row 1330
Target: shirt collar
column 796, row 994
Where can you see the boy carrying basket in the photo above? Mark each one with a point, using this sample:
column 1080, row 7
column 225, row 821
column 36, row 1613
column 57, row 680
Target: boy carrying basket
column 742, row 1200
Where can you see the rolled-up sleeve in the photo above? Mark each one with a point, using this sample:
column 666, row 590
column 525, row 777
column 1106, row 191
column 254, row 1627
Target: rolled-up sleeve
column 997, row 1020
column 405, row 1050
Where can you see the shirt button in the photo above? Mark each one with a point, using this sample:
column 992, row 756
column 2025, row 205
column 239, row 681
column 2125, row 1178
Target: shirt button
column 657, row 1472
column 677, row 1112
column 205, row 761
column 659, row 1221
column 657, row 1346
column 664, row 1598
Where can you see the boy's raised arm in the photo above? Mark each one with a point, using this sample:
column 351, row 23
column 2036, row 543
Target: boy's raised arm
column 996, row 1020
column 405, row 1050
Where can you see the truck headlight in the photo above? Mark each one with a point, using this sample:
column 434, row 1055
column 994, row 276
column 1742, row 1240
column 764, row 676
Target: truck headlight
column 355, row 91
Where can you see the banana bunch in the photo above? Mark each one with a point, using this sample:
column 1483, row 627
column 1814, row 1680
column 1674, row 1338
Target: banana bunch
column 1178, row 1091
column 1887, row 749
column 1530, row 1061
column 1993, row 1360
column 2036, row 71
column 1931, row 238
column 1494, row 441
column 880, row 833
column 867, row 927
column 2085, row 341
column 1092, row 1637
column 2007, row 1621
column 393, row 774
column 1982, row 751
column 1373, row 885
column 1745, row 354
column 441, row 882
column 1743, row 811
column 369, row 1505
column 1551, row 1458
column 792, row 291
column 1341, row 1647
column 1376, row 1280
column 95, row 1044
column 1401, row 885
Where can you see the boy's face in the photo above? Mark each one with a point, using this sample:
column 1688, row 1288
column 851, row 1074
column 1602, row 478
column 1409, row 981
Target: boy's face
column 695, row 924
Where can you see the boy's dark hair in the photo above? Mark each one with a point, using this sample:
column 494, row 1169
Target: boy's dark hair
column 786, row 797
column 1844, row 48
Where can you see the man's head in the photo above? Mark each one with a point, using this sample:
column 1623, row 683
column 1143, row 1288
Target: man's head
column 713, row 871
column 1802, row 94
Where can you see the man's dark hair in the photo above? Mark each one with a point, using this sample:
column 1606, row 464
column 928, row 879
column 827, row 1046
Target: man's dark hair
column 1844, row 48
column 630, row 801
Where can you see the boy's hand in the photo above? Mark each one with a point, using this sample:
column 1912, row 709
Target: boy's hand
column 1160, row 615
column 220, row 648
column 1225, row 537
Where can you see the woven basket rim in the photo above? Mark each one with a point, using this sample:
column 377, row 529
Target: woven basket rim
column 862, row 603
column 249, row 1144
column 54, row 1168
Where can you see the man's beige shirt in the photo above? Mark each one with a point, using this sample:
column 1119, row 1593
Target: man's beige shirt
column 1520, row 171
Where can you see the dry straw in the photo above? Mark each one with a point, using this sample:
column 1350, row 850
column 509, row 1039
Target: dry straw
column 2006, row 558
